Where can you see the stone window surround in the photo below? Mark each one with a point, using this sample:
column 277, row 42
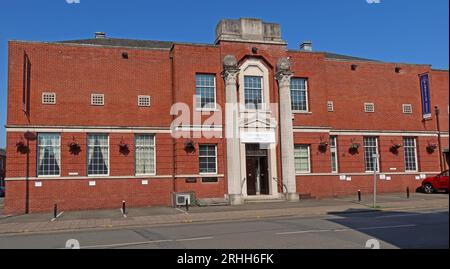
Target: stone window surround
column 254, row 67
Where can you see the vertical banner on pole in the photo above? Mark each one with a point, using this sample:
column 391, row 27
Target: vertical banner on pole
column 426, row 100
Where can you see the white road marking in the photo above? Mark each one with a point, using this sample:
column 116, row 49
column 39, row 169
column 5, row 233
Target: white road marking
column 127, row 244
column 194, row 239
column 146, row 242
column 57, row 216
column 349, row 230
column 182, row 211
column 305, row 232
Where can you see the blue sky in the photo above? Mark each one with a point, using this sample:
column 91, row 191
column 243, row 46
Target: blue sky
column 413, row 31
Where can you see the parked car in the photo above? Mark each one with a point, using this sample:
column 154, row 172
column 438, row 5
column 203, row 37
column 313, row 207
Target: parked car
column 436, row 183
column 2, row 191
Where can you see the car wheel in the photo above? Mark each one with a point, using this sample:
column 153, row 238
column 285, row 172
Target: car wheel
column 428, row 188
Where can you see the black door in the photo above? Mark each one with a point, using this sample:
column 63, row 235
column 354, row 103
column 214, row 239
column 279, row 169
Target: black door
column 264, row 175
column 252, row 166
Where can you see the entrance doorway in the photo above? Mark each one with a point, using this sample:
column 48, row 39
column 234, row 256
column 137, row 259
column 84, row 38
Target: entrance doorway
column 257, row 170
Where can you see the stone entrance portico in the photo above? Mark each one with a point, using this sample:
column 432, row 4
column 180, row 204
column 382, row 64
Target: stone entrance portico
column 246, row 126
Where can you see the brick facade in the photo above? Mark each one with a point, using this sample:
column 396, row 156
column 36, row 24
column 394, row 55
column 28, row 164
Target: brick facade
column 74, row 71
column 2, row 167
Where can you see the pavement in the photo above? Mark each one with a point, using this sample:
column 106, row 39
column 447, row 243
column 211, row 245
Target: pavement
column 421, row 229
column 160, row 216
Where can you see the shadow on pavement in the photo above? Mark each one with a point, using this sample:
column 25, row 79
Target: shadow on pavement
column 404, row 230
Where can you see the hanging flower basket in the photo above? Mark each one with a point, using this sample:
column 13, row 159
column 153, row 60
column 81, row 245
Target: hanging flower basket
column 74, row 147
column 189, row 146
column 431, row 148
column 22, row 147
column 123, row 147
column 354, row 147
column 394, row 148
column 323, row 146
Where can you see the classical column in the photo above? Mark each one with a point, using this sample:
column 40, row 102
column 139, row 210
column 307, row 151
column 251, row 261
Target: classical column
column 287, row 133
column 230, row 74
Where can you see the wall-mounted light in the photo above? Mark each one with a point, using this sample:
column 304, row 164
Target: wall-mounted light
column 254, row 50
column 398, row 69
column 354, row 67
column 125, row 55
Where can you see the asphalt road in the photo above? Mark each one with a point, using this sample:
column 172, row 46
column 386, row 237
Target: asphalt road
column 406, row 230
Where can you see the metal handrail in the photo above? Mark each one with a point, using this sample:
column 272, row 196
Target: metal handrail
column 242, row 184
column 285, row 190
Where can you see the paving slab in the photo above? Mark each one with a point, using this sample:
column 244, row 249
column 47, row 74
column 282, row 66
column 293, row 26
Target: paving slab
column 164, row 215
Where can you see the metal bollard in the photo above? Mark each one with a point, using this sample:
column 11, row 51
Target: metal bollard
column 407, row 192
column 55, row 211
column 359, row 196
column 124, row 208
column 187, row 205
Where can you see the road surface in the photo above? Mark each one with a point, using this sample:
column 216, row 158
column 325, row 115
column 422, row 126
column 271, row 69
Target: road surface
column 405, row 230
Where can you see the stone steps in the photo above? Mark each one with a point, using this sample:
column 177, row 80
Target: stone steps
column 212, row 202
column 255, row 201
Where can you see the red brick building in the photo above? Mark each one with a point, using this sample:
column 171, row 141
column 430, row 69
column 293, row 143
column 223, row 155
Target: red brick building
column 90, row 124
column 2, row 167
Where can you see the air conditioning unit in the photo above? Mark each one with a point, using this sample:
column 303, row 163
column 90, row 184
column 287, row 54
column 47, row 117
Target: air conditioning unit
column 180, row 199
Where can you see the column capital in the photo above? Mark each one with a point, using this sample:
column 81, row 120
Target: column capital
column 230, row 69
column 284, row 72
column 230, row 75
column 284, row 76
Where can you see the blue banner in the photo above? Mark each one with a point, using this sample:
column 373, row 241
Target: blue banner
column 426, row 100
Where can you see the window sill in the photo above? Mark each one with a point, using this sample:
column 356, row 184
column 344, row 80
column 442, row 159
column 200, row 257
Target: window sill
column 209, row 174
column 302, row 112
column 145, row 175
column 94, row 176
column 51, row 176
column 207, row 110
column 302, row 173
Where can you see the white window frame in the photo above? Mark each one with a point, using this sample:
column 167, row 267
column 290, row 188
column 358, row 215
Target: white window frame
column 94, row 95
column 377, row 152
column 306, row 96
column 367, row 105
column 415, row 154
column 44, row 94
column 262, row 105
column 60, row 157
column 154, row 156
column 140, row 97
column 336, row 152
column 215, row 154
column 330, row 106
column 309, row 160
column 109, row 156
column 404, row 109
column 197, row 108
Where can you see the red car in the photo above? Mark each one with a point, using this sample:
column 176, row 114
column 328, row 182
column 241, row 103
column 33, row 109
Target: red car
column 437, row 183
